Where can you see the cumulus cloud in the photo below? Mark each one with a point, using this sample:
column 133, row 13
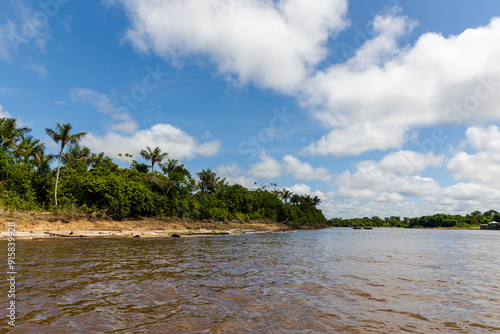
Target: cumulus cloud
column 410, row 162
column 4, row 113
column 304, row 171
column 370, row 182
column 273, row 44
column 234, row 174
column 117, row 121
column 121, row 133
column 393, row 185
column 371, row 101
column 267, row 168
column 381, row 188
column 177, row 143
column 483, row 165
column 270, row 168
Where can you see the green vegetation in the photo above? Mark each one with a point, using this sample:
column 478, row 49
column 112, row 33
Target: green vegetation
column 469, row 221
column 89, row 183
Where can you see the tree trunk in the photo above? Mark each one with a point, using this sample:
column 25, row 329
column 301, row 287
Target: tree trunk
column 57, row 177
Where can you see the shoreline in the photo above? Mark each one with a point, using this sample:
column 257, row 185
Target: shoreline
column 48, row 225
column 127, row 234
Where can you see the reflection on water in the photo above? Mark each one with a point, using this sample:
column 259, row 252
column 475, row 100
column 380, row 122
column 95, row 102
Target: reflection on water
column 327, row 281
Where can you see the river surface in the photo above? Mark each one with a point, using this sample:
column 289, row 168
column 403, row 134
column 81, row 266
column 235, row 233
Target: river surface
column 337, row 280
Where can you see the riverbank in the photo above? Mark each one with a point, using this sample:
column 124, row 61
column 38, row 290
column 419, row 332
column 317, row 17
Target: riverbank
column 49, row 225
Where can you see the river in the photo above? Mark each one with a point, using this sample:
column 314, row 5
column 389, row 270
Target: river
column 335, row 280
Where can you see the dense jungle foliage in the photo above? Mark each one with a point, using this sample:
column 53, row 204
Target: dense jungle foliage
column 471, row 220
column 86, row 182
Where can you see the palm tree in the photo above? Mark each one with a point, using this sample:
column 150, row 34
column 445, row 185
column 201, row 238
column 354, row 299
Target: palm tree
column 285, row 194
column 63, row 134
column 315, row 201
column 127, row 156
column 76, row 152
column 10, row 133
column 209, row 181
column 28, row 147
column 153, row 155
column 43, row 158
column 295, row 199
column 170, row 166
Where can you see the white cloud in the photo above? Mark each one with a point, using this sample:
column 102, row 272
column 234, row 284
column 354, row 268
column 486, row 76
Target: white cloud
column 24, row 27
column 371, row 101
column 483, row 166
column 328, row 203
column 117, row 121
column 39, row 69
column 370, row 182
column 410, row 162
column 170, row 139
column 300, row 189
column 100, row 101
column 484, row 139
column 122, row 134
column 5, row 47
column 392, row 185
column 273, row 44
column 304, row 171
column 387, row 187
column 4, row 113
column 235, row 175
column 270, row 169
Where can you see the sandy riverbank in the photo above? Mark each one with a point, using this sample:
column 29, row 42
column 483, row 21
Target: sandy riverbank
column 48, row 225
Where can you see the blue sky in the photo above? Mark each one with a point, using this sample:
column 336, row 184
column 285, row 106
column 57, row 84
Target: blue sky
column 378, row 107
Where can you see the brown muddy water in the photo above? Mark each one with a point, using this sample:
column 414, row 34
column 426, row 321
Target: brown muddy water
column 325, row 281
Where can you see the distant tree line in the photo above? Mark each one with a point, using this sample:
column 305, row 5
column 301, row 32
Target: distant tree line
column 92, row 183
column 470, row 220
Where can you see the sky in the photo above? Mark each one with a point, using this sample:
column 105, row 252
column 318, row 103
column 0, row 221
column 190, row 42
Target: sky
column 380, row 108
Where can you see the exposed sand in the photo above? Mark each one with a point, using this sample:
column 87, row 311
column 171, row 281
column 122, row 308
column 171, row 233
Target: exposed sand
column 48, row 225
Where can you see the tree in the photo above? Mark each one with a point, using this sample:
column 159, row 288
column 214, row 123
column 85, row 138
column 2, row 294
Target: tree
column 295, row 199
column 62, row 134
column 76, row 153
column 285, row 194
column 101, row 162
column 315, row 201
column 209, row 181
column 29, row 147
column 127, row 156
column 44, row 159
column 153, row 155
column 10, row 133
column 169, row 166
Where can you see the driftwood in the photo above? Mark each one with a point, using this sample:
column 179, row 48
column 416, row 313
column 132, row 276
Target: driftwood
column 64, row 235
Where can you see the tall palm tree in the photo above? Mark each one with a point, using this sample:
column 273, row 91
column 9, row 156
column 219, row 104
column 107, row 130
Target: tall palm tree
column 63, row 134
column 295, row 199
column 153, row 155
column 315, row 201
column 76, row 152
column 285, row 194
column 42, row 158
column 170, row 166
column 29, row 147
column 9, row 133
column 209, row 181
